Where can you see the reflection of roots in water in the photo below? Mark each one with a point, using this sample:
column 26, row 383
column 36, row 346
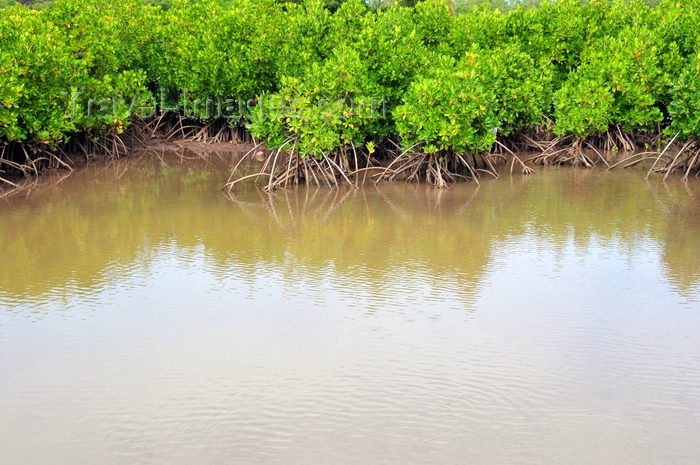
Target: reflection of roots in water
column 26, row 160
column 26, row 187
column 185, row 155
column 270, row 200
column 300, row 201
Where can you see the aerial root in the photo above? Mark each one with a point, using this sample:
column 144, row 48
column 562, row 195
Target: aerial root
column 615, row 139
column 600, row 156
column 551, row 151
column 632, row 160
column 572, row 154
column 578, row 156
column 438, row 169
column 171, row 126
column 285, row 166
column 663, row 152
column 686, row 160
column 526, row 169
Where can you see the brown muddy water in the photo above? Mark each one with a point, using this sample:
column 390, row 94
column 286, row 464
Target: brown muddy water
column 148, row 318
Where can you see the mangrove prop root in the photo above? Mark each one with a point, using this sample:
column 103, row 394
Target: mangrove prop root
column 691, row 165
column 438, row 169
column 686, row 160
column 572, row 154
column 651, row 170
column 286, row 167
column 600, row 156
column 633, row 160
column 678, row 161
column 173, row 126
column 526, row 169
column 615, row 139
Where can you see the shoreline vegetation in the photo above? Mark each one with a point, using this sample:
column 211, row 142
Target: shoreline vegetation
column 340, row 93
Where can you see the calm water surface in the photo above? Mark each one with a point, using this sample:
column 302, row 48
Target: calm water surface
column 148, row 318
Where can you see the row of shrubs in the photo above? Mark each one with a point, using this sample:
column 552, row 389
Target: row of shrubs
column 421, row 76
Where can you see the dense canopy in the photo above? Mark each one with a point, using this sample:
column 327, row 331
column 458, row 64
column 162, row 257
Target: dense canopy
column 323, row 79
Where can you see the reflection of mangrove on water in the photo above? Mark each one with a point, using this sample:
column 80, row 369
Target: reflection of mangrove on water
column 123, row 211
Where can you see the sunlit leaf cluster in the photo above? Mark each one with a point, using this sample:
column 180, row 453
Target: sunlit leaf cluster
column 446, row 81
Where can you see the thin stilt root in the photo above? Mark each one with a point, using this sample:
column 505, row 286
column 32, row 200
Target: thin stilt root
column 27, row 161
column 287, row 167
column 437, row 168
column 171, row 126
column 526, row 169
column 571, row 154
column 686, row 160
column 615, row 139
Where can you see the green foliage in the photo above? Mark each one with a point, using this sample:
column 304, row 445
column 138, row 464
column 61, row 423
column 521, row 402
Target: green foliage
column 556, row 31
column 164, row 4
column 678, row 23
column 523, row 88
column 583, row 106
column 299, row 37
column 458, row 106
column 393, row 51
column 453, row 109
column 112, row 51
column 188, row 56
column 64, row 72
column 447, row 80
column 618, row 82
column 347, row 24
column 684, row 108
column 42, row 5
column 332, row 106
column 330, row 5
column 36, row 67
column 433, row 22
column 108, row 36
column 469, row 6
column 484, row 26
